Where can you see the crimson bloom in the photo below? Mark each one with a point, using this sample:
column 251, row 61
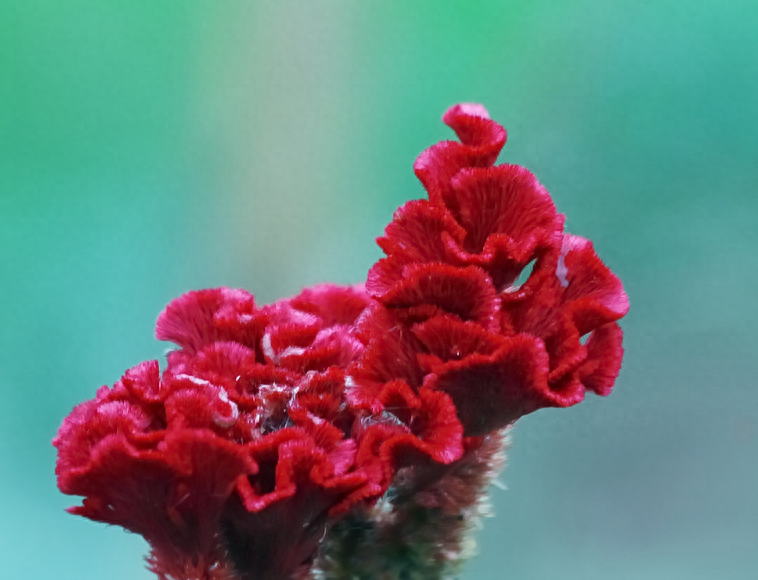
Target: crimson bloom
column 271, row 423
column 448, row 300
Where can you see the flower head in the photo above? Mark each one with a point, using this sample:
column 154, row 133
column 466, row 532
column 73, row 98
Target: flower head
column 241, row 450
column 448, row 302
column 269, row 423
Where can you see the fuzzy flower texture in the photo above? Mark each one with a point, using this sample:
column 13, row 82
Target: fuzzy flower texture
column 383, row 405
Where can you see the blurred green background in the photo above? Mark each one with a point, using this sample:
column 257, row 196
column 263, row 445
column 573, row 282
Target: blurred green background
column 149, row 148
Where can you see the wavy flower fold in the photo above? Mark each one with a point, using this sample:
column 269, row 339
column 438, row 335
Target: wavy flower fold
column 269, row 423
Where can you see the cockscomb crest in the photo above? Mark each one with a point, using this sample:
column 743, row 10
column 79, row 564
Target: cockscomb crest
column 270, row 423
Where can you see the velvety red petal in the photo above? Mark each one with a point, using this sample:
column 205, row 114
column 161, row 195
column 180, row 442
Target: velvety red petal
column 202, row 317
column 324, row 407
column 119, row 481
column 291, row 461
column 603, row 363
column 428, row 425
column 419, row 233
column 431, row 289
column 224, row 359
column 173, row 496
column 330, row 383
column 333, row 304
column 594, row 293
column 199, row 404
column 373, row 323
column 541, row 276
column 260, row 490
column 279, row 338
column 257, row 383
column 482, row 140
column 416, row 232
column 334, row 346
column 471, row 123
column 322, row 397
column 372, row 458
column 491, row 391
column 87, row 426
column 564, row 347
column 325, row 435
column 299, row 341
column 579, row 296
column 283, row 313
column 283, row 510
column 505, row 201
column 144, row 382
column 580, row 289
column 391, row 354
column 384, row 274
column 448, row 338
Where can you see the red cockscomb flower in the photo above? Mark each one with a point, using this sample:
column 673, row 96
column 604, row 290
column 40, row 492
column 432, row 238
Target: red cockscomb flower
column 447, row 295
column 269, row 424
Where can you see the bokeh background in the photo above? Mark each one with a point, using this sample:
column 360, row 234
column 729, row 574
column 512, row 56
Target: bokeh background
column 149, row 148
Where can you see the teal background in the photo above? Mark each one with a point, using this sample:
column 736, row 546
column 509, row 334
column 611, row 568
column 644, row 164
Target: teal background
column 149, row 148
